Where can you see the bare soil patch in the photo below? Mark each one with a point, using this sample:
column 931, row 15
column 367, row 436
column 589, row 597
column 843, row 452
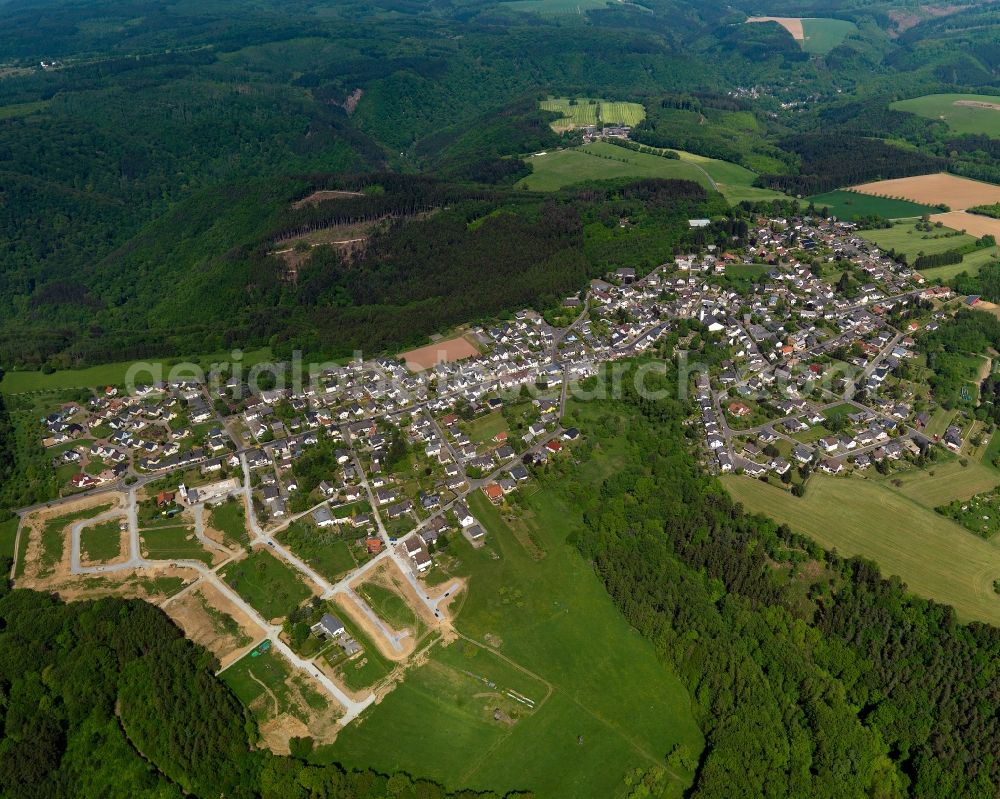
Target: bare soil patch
column 955, row 192
column 973, row 224
column 791, row 24
column 907, row 18
column 130, row 584
column 192, row 614
column 299, row 719
column 323, row 195
column 978, row 104
column 454, row 349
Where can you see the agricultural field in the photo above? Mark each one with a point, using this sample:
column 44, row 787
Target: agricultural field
column 584, row 111
column 273, row 588
column 822, row 35
column 956, row 192
column 935, row 557
column 520, row 630
column 851, row 205
column 815, row 35
column 974, row 224
column 603, row 161
column 963, row 113
column 940, row 483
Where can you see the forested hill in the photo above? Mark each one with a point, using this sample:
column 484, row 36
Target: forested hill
column 209, row 274
column 108, row 700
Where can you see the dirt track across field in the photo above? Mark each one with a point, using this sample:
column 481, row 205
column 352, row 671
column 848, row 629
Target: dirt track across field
column 791, row 24
column 955, row 192
column 973, row 224
column 454, row 349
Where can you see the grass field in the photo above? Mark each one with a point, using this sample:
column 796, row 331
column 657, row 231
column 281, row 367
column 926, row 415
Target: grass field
column 971, row 263
column 820, row 36
column 101, row 542
column 934, row 556
column 111, row 374
column 389, row 606
column 949, row 481
column 170, row 543
column 850, row 205
column 486, row 427
column 964, row 118
column 325, row 550
column 551, row 617
column 265, row 582
column 229, row 518
column 735, row 182
column 904, row 237
column 602, row 161
column 548, row 8
column 23, row 109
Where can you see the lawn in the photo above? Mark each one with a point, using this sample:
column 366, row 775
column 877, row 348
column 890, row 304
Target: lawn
column 934, row 556
column 229, row 518
column 822, row 35
column 326, row 550
column 112, row 374
column 173, row 543
column 603, row 161
column 101, row 542
column 485, row 427
column 267, row 583
column 960, row 118
column 852, row 204
column 904, row 237
column 363, row 670
column 551, row 620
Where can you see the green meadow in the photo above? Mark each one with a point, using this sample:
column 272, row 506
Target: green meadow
column 602, row 161
column 114, row 374
column 933, row 555
column 822, row 35
column 535, row 619
column 964, row 118
column 851, row 205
